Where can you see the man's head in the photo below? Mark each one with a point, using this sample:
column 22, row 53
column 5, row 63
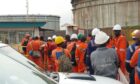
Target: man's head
column 59, row 40
column 136, row 36
column 95, row 31
column 73, row 37
column 67, row 38
column 49, row 39
column 117, row 30
column 53, row 37
column 27, row 36
column 101, row 38
column 79, row 36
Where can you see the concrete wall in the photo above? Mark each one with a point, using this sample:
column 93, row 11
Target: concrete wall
column 106, row 13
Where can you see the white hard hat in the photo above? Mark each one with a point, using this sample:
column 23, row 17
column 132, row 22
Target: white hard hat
column 73, row 36
column 117, row 27
column 54, row 36
column 95, row 31
column 49, row 38
column 101, row 38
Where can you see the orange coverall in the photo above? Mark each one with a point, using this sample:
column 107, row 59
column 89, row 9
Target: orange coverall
column 69, row 47
column 48, row 63
column 35, row 45
column 120, row 44
column 54, row 58
column 110, row 43
column 133, row 63
column 80, row 56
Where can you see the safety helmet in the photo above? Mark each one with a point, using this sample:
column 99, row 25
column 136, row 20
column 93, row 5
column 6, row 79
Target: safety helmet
column 117, row 27
column 136, row 34
column 95, row 31
column 54, row 36
column 101, row 38
column 80, row 36
column 59, row 40
column 73, row 36
column 49, row 38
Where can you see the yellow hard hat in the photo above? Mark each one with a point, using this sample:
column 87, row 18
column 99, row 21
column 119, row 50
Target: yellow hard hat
column 135, row 34
column 59, row 40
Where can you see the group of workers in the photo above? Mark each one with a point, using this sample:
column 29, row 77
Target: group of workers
column 98, row 54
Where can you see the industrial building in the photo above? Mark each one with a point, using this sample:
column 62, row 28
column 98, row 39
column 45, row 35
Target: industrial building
column 14, row 27
column 89, row 14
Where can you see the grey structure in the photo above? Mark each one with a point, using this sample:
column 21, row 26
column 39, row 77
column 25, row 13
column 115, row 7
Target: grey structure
column 106, row 13
column 52, row 22
column 14, row 27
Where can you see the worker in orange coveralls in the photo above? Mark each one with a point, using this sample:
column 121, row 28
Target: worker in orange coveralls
column 133, row 63
column 35, row 46
column 110, row 43
column 59, row 40
column 80, row 53
column 24, row 43
column 72, row 48
column 47, row 55
column 120, row 44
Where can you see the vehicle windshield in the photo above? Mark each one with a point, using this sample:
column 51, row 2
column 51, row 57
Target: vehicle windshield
column 13, row 72
column 13, row 54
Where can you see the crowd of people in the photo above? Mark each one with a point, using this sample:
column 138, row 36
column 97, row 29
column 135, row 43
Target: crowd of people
column 98, row 54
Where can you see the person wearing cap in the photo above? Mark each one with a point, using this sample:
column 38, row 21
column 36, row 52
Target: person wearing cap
column 120, row 44
column 59, row 40
column 91, row 47
column 72, row 48
column 24, row 43
column 47, row 61
column 104, row 60
column 73, row 39
column 49, row 39
column 53, row 37
column 130, row 51
column 132, row 58
column 67, row 40
column 80, row 52
column 53, row 44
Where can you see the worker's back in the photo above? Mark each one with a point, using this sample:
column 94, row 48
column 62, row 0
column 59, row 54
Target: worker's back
column 105, row 62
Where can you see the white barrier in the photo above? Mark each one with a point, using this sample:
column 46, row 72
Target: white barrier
column 122, row 77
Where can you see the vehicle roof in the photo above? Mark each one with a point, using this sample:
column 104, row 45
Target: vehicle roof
column 64, row 79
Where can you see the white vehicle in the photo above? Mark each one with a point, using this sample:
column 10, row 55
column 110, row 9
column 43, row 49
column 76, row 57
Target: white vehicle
column 76, row 78
column 16, row 69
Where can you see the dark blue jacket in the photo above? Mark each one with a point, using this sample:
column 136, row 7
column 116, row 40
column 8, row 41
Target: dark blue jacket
column 90, row 49
column 130, row 51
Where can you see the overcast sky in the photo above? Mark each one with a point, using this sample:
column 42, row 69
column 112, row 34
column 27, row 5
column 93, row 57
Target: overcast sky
column 61, row 8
